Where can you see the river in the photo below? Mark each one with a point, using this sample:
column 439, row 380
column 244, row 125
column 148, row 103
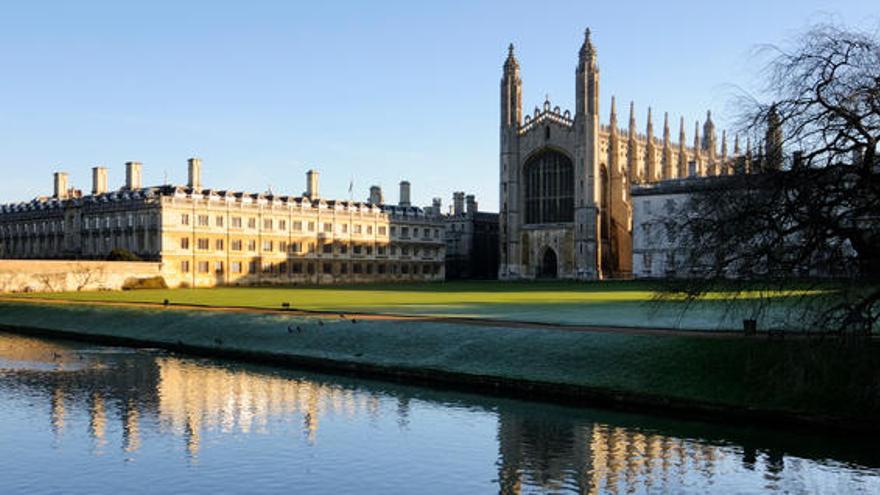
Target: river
column 80, row 418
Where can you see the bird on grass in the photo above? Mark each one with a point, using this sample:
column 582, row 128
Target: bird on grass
column 353, row 321
column 290, row 329
column 218, row 341
column 320, row 323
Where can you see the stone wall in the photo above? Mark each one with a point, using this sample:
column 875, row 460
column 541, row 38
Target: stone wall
column 63, row 275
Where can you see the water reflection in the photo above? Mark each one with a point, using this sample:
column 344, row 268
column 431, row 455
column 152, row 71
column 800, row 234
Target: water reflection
column 130, row 400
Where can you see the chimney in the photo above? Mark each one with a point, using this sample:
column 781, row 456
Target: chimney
column 471, row 204
column 133, row 176
column 60, row 185
column 404, row 194
column 99, row 180
column 376, row 195
column 458, row 203
column 437, row 207
column 312, row 184
column 195, row 173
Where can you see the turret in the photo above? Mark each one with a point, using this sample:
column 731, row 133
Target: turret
column 668, row 166
column 587, row 91
column 650, row 151
column 511, row 92
column 773, row 141
column 682, row 151
column 632, row 146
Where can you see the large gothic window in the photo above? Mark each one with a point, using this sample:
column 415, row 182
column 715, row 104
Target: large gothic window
column 549, row 178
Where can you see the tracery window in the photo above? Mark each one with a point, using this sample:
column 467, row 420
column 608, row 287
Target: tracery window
column 549, row 181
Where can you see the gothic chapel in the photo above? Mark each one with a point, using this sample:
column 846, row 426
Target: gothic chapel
column 565, row 179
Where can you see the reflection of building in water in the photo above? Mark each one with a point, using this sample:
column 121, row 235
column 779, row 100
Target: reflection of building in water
column 596, row 458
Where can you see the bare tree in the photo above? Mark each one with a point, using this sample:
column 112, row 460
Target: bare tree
column 84, row 274
column 804, row 212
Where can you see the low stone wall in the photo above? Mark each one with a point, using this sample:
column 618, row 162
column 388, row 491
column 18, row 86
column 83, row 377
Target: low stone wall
column 69, row 275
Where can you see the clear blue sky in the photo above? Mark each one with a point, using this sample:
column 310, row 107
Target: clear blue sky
column 377, row 91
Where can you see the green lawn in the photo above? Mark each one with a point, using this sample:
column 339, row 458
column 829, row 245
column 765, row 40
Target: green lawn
column 626, row 304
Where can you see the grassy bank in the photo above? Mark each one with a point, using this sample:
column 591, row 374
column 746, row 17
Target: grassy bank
column 724, row 376
column 627, row 304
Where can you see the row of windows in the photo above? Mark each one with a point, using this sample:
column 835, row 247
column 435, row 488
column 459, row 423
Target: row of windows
column 204, row 244
column 270, row 224
column 295, row 268
column 89, row 223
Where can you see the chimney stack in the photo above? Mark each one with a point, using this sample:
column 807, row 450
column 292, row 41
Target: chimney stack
column 60, row 185
column 312, row 184
column 437, row 206
column 404, row 194
column 133, row 176
column 471, row 204
column 99, row 180
column 376, row 195
column 194, row 166
column 458, row 203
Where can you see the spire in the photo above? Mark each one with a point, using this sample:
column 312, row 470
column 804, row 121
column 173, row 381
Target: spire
column 666, row 129
column 736, row 144
column 613, row 120
column 510, row 65
column 682, row 151
column 725, row 169
column 773, row 140
column 587, row 56
column 650, row 129
column 632, row 119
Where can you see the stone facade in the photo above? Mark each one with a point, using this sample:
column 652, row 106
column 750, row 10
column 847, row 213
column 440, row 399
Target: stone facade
column 204, row 237
column 471, row 239
column 565, row 179
column 68, row 276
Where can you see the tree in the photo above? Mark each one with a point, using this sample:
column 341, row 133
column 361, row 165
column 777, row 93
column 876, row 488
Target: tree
column 807, row 213
column 122, row 254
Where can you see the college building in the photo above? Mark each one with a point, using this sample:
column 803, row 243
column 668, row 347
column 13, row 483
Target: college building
column 205, row 237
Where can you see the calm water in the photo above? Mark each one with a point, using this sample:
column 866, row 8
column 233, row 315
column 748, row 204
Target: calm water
column 88, row 419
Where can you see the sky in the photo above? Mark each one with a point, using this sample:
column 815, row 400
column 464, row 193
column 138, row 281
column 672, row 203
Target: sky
column 364, row 92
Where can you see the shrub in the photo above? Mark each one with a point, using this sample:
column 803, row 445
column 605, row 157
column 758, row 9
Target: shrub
column 157, row 282
column 122, row 254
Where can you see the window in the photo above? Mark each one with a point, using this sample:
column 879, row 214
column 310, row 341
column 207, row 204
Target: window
column 267, row 246
column 184, row 243
column 404, row 231
column 282, row 267
column 328, row 227
column 282, row 224
column 267, row 224
column 343, row 248
column 184, row 266
column 252, row 267
column 358, row 228
column 382, row 230
column 203, row 220
column 357, row 268
column 235, row 267
column 296, row 247
column 252, row 223
column 327, row 268
column 369, row 230
column 328, row 248
column 235, row 245
column 296, row 268
column 369, row 250
column 393, row 231
column 203, row 267
column 218, row 221
column 356, row 249
column 415, row 232
column 235, row 222
column 203, row 244
column 184, row 219
column 218, row 267
column 282, row 246
column 549, row 181
column 311, row 226
column 218, row 245
column 343, row 268
column 252, row 245
column 297, row 226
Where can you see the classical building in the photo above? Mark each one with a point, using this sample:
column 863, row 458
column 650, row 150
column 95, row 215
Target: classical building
column 565, row 179
column 206, row 237
column 471, row 239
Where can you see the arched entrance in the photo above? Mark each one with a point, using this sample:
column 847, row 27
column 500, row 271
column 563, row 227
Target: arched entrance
column 548, row 264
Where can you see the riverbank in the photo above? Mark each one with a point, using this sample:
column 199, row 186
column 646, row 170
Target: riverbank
column 820, row 383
